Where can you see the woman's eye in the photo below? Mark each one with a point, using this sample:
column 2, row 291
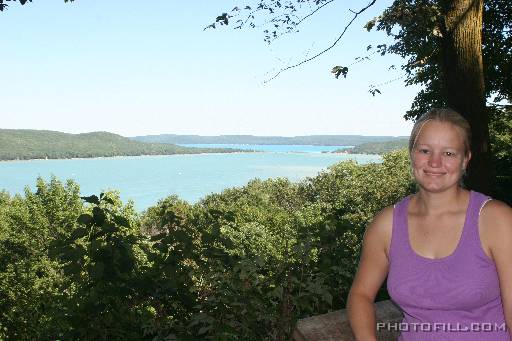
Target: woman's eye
column 423, row 151
column 450, row 154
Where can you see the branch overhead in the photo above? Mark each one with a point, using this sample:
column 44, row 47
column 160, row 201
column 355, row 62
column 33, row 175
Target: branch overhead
column 356, row 14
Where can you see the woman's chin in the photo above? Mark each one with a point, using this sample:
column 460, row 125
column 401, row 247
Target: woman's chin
column 437, row 187
column 437, row 184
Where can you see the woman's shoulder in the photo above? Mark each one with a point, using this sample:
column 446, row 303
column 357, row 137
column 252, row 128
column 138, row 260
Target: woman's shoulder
column 379, row 230
column 385, row 216
column 494, row 210
column 495, row 220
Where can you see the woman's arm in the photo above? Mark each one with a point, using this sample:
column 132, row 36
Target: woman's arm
column 496, row 227
column 373, row 268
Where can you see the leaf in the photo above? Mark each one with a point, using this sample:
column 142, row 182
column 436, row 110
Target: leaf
column 72, row 254
column 96, row 270
column 120, row 220
column 84, row 219
column 93, row 199
column 223, row 19
column 277, row 292
column 374, row 91
column 327, row 297
column 204, row 330
column 125, row 264
column 109, row 200
column 79, row 233
column 109, row 227
column 370, row 24
column 98, row 216
column 340, row 70
column 180, row 236
column 72, row 269
column 158, row 236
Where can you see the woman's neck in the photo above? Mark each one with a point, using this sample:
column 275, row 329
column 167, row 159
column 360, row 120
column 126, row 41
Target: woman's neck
column 432, row 203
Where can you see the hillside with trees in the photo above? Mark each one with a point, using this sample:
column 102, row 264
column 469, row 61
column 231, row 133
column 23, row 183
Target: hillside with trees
column 315, row 140
column 24, row 144
column 376, row 147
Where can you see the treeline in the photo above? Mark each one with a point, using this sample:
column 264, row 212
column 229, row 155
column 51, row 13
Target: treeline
column 24, row 144
column 243, row 264
column 315, row 140
column 376, row 147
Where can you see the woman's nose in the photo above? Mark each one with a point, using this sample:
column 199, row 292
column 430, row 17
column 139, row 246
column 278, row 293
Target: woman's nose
column 435, row 160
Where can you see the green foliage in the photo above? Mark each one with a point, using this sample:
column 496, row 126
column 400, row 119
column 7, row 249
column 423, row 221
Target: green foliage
column 242, row 264
column 417, row 29
column 29, row 279
column 376, row 147
column 103, row 260
column 501, row 141
column 274, row 251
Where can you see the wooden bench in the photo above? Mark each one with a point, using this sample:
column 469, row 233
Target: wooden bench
column 334, row 326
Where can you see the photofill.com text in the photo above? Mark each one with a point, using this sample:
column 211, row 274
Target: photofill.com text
column 441, row 327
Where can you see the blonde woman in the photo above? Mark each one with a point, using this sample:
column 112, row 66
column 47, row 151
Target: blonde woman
column 446, row 251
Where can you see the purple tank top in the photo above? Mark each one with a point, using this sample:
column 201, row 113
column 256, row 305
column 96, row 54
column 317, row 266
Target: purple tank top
column 456, row 297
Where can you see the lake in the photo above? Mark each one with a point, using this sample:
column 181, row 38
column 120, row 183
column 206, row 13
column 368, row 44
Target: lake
column 146, row 179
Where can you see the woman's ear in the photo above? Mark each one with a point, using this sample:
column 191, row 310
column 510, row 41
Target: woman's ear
column 466, row 160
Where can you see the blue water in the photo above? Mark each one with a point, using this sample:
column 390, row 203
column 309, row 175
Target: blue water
column 275, row 148
column 146, row 179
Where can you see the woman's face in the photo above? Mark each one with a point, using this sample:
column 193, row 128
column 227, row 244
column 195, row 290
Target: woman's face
column 438, row 159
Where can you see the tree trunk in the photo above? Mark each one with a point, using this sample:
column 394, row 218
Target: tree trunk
column 464, row 81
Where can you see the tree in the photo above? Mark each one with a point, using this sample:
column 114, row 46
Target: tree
column 458, row 50
column 3, row 4
column 448, row 42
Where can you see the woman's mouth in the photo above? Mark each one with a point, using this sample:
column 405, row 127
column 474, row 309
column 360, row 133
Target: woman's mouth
column 430, row 173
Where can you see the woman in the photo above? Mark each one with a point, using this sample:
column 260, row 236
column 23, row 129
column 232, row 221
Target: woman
column 446, row 251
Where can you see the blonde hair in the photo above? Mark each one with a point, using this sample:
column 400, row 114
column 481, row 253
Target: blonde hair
column 442, row 115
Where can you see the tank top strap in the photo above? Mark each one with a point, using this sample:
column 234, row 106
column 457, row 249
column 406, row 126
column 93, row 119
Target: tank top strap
column 476, row 202
column 399, row 235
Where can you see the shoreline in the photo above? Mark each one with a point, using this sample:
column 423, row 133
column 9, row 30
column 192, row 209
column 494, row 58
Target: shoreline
column 159, row 155
column 121, row 156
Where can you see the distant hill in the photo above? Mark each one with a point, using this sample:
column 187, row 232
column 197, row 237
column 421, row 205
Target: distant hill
column 376, row 147
column 315, row 140
column 24, row 144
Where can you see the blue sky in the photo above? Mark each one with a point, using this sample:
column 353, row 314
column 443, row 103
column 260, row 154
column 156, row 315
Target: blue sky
column 138, row 68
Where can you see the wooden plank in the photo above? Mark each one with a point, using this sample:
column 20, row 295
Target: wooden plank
column 334, row 326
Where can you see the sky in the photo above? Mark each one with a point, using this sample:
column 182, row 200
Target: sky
column 139, row 68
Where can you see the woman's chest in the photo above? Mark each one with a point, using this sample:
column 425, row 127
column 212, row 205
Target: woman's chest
column 443, row 285
column 435, row 237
